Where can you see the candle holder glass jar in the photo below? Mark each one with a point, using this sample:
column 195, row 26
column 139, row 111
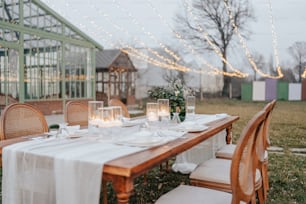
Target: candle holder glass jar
column 94, row 116
column 152, row 112
column 163, row 110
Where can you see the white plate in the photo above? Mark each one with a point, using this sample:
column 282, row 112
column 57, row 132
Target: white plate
column 131, row 123
column 196, row 128
column 74, row 136
column 145, row 141
column 141, row 139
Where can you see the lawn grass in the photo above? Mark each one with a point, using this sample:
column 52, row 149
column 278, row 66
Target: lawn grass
column 287, row 171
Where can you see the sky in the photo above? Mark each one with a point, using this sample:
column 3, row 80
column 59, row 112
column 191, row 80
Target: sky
column 149, row 23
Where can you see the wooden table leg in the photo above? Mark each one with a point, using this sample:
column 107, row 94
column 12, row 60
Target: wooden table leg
column 123, row 187
column 229, row 134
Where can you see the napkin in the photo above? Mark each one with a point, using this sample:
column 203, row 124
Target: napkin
column 73, row 129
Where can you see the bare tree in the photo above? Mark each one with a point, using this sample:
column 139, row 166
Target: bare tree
column 298, row 52
column 259, row 60
column 288, row 75
column 213, row 19
column 172, row 75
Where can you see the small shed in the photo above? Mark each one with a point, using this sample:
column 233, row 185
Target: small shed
column 115, row 76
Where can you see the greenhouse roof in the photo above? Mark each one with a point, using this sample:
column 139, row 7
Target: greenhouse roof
column 37, row 17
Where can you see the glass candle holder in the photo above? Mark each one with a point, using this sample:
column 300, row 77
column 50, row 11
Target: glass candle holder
column 107, row 117
column 163, row 109
column 117, row 114
column 94, row 115
column 152, row 112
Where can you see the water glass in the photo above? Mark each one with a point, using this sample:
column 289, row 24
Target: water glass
column 62, row 131
column 190, row 107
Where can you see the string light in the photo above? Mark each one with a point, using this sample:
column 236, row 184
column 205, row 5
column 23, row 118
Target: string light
column 173, row 66
column 154, row 52
column 274, row 37
column 245, row 47
column 149, row 59
column 119, row 28
column 180, row 38
column 304, row 73
column 134, row 20
column 139, row 55
column 216, row 50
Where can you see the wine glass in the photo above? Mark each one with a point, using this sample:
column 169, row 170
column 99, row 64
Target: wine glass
column 190, row 107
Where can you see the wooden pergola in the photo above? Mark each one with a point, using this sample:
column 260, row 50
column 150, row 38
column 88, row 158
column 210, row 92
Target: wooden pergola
column 115, row 76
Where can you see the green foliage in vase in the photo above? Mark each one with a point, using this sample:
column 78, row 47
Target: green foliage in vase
column 176, row 92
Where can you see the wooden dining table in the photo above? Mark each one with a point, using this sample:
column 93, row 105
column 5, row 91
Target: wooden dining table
column 123, row 170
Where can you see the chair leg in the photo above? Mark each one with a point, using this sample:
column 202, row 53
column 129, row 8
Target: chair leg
column 265, row 179
column 260, row 195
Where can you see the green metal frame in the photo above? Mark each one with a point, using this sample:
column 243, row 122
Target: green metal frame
column 82, row 41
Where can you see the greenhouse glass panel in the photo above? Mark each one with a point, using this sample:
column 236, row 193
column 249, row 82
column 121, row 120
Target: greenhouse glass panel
column 78, row 75
column 42, row 68
column 9, row 72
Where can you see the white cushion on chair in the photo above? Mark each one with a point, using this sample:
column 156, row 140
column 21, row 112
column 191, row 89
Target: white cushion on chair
column 226, row 151
column 184, row 194
column 215, row 170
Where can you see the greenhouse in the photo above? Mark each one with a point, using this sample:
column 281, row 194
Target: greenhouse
column 43, row 57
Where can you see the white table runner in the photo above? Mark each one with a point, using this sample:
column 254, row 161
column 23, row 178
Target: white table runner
column 64, row 171
column 57, row 171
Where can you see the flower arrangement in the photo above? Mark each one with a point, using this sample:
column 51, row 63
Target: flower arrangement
column 176, row 92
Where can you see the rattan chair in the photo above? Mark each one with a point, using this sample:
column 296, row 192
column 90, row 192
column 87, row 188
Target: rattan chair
column 227, row 151
column 241, row 173
column 117, row 102
column 19, row 119
column 76, row 113
column 214, row 173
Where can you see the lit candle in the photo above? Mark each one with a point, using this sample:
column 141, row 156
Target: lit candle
column 152, row 116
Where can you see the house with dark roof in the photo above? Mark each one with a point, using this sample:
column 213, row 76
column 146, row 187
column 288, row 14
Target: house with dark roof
column 115, row 76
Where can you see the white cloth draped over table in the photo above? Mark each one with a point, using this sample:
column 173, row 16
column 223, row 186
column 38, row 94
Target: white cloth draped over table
column 57, row 171
column 186, row 162
column 64, row 171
